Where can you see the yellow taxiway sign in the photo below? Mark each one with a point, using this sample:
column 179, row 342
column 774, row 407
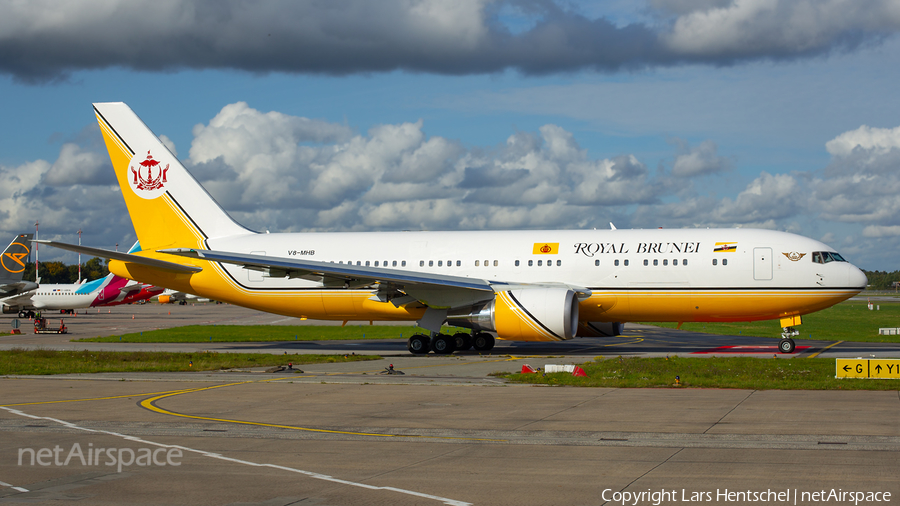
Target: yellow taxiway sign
column 876, row 368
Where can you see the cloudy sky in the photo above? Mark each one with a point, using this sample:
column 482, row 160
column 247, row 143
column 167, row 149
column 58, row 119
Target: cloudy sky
column 438, row 115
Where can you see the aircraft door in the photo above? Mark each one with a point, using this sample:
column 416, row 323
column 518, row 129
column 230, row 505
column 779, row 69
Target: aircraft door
column 762, row 264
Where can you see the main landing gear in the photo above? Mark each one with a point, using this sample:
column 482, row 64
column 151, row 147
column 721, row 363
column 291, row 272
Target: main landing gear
column 444, row 344
column 786, row 345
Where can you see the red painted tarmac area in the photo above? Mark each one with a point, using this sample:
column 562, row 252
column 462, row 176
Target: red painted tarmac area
column 747, row 349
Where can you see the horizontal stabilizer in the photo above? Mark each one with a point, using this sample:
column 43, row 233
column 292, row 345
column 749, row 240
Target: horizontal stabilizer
column 124, row 257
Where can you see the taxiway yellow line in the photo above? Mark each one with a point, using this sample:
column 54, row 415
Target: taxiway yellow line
column 150, row 404
column 93, row 398
column 816, row 354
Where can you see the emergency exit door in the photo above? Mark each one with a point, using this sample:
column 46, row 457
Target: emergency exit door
column 762, row 263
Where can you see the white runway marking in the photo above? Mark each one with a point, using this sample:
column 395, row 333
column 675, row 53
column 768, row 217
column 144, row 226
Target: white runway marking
column 449, row 502
column 20, row 489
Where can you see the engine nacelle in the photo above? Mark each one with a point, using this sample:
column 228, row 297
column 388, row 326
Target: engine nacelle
column 530, row 314
column 9, row 309
column 600, row 329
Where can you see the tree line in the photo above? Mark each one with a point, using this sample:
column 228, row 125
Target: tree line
column 60, row 273
column 882, row 280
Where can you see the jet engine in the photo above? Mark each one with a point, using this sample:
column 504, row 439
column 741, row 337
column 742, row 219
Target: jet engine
column 529, row 314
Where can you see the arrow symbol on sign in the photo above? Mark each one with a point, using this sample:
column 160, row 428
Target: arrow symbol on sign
column 878, row 368
column 846, row 368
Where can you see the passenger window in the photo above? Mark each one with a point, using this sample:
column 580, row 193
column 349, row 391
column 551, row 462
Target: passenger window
column 597, row 262
column 715, row 262
column 626, row 263
column 476, row 263
column 495, row 263
column 517, row 263
column 724, row 261
column 559, row 263
column 540, row 263
column 675, row 262
column 530, row 263
column 486, row 263
column 421, row 263
column 616, row 263
column 458, row 263
column 403, row 263
column 646, row 263
column 440, row 263
column 358, row 262
column 367, row 263
column 376, row 263
column 665, row 262
column 655, row 262
column 394, row 263
column 684, row 262
column 431, row 263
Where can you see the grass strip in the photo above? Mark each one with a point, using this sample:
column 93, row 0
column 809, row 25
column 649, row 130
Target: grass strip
column 24, row 362
column 752, row 373
column 266, row 333
column 847, row 321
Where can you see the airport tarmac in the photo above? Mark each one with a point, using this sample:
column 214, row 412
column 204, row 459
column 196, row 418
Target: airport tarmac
column 244, row 438
column 637, row 340
column 445, row 432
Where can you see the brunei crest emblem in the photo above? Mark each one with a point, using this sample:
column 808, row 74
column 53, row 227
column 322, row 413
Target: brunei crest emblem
column 793, row 256
column 148, row 176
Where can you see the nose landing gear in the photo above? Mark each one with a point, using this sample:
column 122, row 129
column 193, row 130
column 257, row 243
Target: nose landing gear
column 786, row 345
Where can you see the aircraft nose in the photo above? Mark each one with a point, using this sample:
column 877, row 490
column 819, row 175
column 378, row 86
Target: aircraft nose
column 857, row 278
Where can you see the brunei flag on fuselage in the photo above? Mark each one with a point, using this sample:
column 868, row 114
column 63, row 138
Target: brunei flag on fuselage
column 725, row 247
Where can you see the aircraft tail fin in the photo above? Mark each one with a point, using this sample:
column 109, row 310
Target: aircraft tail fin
column 14, row 258
column 168, row 207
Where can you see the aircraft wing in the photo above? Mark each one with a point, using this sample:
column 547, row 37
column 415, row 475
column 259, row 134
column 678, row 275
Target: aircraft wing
column 396, row 286
column 124, row 257
column 8, row 289
column 22, row 299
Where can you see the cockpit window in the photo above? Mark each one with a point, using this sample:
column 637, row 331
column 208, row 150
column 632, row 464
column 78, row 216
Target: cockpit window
column 823, row 257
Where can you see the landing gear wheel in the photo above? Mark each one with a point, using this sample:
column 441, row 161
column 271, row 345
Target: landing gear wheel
column 417, row 344
column 786, row 345
column 463, row 341
column 483, row 341
column 442, row 344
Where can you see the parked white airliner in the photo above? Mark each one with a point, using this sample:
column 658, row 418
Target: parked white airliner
column 529, row 285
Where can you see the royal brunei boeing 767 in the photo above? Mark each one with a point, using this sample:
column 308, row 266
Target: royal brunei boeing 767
column 531, row 285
